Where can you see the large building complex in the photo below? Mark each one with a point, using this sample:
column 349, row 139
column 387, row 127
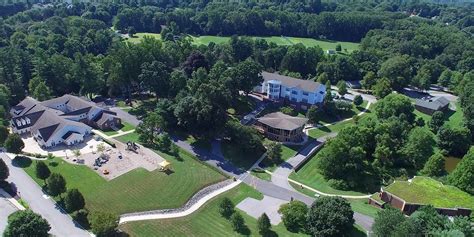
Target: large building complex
column 302, row 93
column 63, row 120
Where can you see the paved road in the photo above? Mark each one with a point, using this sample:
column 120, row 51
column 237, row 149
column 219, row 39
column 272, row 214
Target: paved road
column 6, row 208
column 126, row 116
column 61, row 223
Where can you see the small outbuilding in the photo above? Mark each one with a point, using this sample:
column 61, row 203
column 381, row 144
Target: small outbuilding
column 429, row 106
column 281, row 127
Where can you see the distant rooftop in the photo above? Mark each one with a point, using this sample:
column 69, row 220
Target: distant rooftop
column 424, row 190
column 435, row 103
column 282, row 121
column 305, row 85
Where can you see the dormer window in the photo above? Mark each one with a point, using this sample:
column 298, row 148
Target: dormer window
column 18, row 122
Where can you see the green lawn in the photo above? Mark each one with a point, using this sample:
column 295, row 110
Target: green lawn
column 325, row 45
column 358, row 205
column 287, row 152
column 322, row 131
column 425, row 190
column 310, row 176
column 308, row 42
column 239, row 158
column 133, row 137
column 205, row 222
column 139, row 189
column 139, row 36
column 261, row 174
column 125, row 127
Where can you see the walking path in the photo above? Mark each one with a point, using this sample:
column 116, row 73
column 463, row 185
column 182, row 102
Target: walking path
column 61, row 223
column 180, row 212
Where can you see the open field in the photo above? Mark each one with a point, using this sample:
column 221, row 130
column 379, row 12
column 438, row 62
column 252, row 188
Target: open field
column 279, row 40
column 139, row 189
column 208, row 222
column 425, row 190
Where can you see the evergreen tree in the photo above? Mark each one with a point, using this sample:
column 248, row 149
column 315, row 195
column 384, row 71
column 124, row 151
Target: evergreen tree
column 263, row 224
column 42, row 171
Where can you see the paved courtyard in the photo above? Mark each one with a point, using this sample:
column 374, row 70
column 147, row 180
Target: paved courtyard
column 88, row 146
column 268, row 205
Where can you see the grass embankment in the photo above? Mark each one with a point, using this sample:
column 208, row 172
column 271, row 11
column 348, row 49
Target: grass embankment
column 205, row 222
column 425, row 190
column 310, row 176
column 208, row 222
column 139, row 189
column 279, row 40
column 333, row 120
column 237, row 156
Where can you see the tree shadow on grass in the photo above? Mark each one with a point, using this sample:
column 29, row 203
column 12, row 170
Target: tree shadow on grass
column 269, row 233
column 244, row 230
column 21, row 161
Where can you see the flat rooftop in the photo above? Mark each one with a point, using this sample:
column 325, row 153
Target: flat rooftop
column 424, row 190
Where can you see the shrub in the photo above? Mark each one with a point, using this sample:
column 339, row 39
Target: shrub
column 294, row 215
column 81, row 218
column 358, row 100
column 289, row 111
column 226, row 207
column 103, row 224
column 338, row 184
column 237, row 222
column 330, row 216
column 263, row 224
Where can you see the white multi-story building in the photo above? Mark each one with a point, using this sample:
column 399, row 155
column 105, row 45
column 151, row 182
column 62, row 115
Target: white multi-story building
column 302, row 93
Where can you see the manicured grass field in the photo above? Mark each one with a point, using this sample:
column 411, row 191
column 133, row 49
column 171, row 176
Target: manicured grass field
column 125, row 127
column 205, row 222
column 322, row 131
column 309, row 175
column 279, row 40
column 139, row 189
column 133, row 137
column 425, row 190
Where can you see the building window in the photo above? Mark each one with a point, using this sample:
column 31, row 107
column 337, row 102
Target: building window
column 305, row 93
column 294, row 92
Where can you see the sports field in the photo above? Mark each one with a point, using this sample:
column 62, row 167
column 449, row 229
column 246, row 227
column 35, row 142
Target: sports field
column 279, row 40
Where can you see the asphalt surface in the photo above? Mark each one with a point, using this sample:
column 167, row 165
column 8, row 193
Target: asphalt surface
column 6, row 208
column 61, row 223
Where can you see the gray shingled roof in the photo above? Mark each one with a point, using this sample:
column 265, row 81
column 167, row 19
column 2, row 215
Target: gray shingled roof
column 305, row 85
column 282, row 121
column 436, row 103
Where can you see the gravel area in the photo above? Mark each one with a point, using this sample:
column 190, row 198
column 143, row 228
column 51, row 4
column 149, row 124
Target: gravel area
column 202, row 193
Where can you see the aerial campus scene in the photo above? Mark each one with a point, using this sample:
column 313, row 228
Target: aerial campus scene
column 237, row 118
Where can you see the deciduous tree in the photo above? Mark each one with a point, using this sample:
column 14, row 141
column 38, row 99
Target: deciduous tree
column 293, row 215
column 330, row 216
column 463, row 175
column 26, row 223
column 103, row 224
column 56, row 185
column 14, row 144
column 42, row 171
column 74, row 200
column 434, row 167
